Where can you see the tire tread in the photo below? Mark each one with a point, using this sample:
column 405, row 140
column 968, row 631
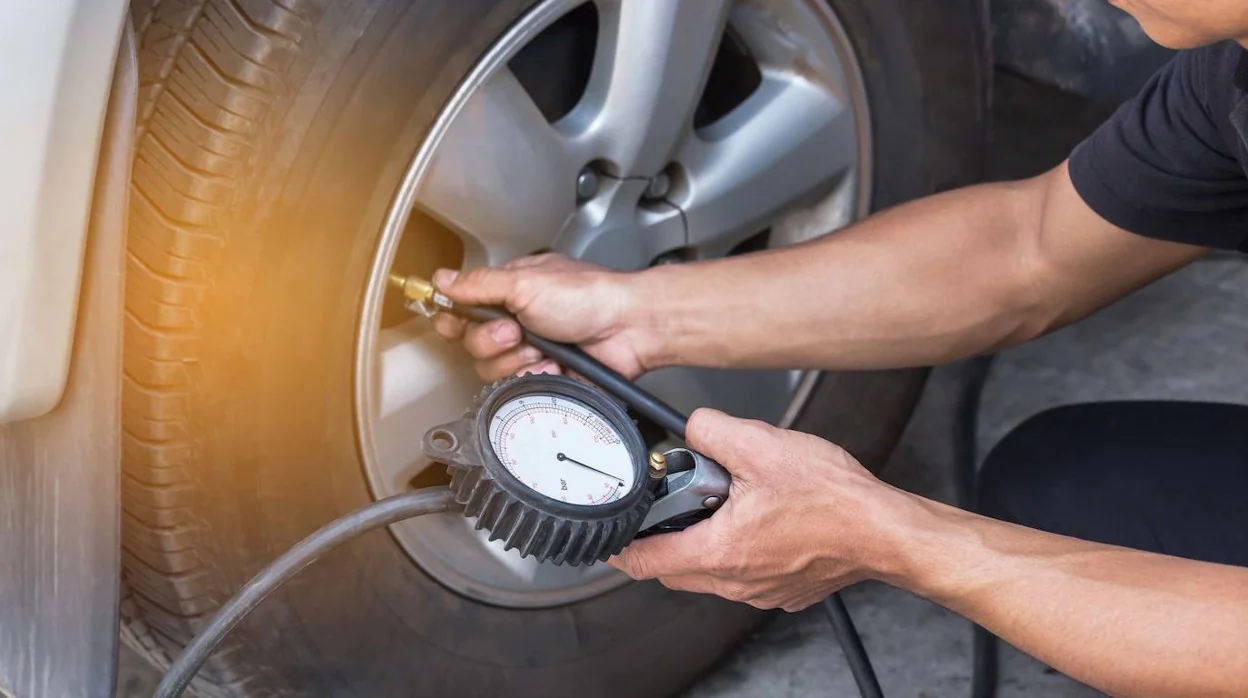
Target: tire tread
column 210, row 74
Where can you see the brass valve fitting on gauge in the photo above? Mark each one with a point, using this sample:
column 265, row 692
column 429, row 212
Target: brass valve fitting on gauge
column 420, row 295
column 658, row 465
column 414, row 288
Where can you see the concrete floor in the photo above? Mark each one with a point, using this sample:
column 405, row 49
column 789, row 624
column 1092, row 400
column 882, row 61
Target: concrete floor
column 1184, row 337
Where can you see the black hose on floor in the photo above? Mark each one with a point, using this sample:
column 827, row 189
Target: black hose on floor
column 966, row 428
column 984, row 661
column 376, row 515
column 851, row 644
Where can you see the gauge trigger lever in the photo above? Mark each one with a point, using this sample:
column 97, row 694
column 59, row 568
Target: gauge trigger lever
column 694, row 487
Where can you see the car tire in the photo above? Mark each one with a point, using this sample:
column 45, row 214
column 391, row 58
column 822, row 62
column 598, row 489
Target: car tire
column 272, row 134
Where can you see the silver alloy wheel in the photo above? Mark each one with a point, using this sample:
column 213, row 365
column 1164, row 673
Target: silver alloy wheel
column 793, row 157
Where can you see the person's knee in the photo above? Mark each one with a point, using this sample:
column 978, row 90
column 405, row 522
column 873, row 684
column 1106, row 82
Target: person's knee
column 1036, row 463
column 1147, row 475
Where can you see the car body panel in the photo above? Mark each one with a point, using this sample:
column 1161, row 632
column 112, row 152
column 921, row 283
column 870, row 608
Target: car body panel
column 60, row 506
column 58, row 59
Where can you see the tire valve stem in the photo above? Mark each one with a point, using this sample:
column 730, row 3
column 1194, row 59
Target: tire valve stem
column 421, row 295
column 658, row 465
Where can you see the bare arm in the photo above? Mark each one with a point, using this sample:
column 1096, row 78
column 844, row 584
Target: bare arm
column 935, row 280
column 804, row 519
column 939, row 279
column 1127, row 622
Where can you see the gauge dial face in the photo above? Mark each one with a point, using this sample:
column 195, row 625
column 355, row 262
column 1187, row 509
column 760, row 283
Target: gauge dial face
column 561, row 448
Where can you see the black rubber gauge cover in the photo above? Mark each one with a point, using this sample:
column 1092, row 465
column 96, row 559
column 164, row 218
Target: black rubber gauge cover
column 525, row 519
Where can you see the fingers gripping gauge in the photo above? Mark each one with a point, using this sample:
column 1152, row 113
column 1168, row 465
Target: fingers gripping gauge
column 557, row 470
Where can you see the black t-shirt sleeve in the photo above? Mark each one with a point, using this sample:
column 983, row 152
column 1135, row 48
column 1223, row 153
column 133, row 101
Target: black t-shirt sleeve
column 1164, row 166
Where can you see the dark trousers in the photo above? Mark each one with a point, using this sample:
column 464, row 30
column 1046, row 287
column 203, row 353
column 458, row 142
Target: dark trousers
column 1166, row 477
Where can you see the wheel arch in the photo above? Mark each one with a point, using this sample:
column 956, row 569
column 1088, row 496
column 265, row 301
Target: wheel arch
column 51, row 129
column 1086, row 47
column 61, row 541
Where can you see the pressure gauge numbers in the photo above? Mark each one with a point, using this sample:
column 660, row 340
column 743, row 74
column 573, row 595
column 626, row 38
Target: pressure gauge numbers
column 562, row 448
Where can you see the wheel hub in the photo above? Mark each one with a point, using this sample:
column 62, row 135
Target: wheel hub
column 619, row 227
column 683, row 163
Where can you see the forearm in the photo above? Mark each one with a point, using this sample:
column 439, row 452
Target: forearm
column 925, row 283
column 1126, row 622
column 935, row 280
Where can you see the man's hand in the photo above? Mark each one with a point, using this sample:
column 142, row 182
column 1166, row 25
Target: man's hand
column 803, row 519
column 556, row 297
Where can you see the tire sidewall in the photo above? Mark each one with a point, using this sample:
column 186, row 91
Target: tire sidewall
column 927, row 72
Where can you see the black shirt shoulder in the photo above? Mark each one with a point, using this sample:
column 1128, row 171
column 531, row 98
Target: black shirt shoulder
column 1173, row 162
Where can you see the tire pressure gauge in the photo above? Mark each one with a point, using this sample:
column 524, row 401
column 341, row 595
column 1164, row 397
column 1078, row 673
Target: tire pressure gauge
column 557, row 470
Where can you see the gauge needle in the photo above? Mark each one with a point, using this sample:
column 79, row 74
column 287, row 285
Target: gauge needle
column 562, row 457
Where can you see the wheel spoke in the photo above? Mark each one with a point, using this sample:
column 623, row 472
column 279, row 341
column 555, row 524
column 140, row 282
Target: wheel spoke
column 502, row 176
column 787, row 144
column 651, row 66
column 423, row 381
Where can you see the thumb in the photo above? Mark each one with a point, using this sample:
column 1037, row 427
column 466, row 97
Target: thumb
column 737, row 444
column 444, row 278
column 480, row 286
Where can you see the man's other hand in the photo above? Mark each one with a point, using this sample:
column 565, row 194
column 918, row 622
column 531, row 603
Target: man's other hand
column 803, row 519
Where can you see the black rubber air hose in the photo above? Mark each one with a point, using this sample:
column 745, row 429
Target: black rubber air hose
column 573, row 357
column 376, row 515
column 984, row 655
column 851, row 644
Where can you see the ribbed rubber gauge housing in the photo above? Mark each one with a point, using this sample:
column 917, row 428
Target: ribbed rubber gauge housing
column 524, row 514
